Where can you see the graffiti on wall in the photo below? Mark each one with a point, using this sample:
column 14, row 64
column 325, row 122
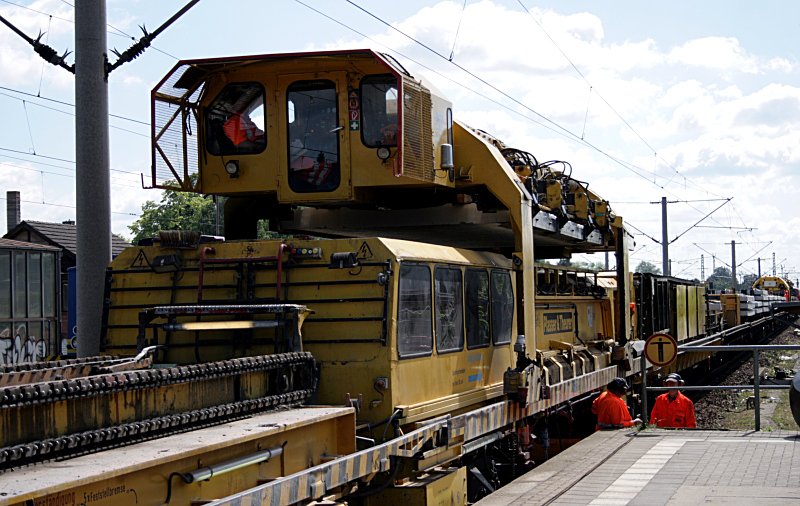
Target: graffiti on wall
column 17, row 346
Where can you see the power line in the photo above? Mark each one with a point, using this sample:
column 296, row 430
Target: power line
column 69, row 114
column 117, row 32
column 69, row 104
column 591, row 88
column 71, row 176
column 556, row 128
column 60, row 159
column 43, row 203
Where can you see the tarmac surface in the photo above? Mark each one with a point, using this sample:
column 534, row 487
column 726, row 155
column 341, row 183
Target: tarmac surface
column 665, row 467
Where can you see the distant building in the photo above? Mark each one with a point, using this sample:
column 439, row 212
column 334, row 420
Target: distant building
column 52, row 237
column 30, row 326
column 61, row 235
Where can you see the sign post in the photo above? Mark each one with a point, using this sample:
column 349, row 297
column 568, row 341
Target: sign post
column 660, row 350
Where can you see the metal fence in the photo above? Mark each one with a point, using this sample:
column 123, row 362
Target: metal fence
column 756, row 386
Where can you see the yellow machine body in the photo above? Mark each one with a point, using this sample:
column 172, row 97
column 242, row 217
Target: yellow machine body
column 359, row 332
column 774, row 285
column 144, row 474
column 445, row 487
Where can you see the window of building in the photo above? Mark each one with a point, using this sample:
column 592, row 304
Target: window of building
column 414, row 329
column 477, row 298
column 5, row 284
column 449, row 309
column 34, row 284
column 313, row 136
column 49, row 289
column 20, row 284
column 235, row 121
column 379, row 111
column 502, row 307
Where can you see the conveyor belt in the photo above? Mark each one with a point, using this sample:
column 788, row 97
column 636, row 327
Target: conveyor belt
column 73, row 416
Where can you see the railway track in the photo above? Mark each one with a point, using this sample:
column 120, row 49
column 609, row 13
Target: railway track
column 55, row 419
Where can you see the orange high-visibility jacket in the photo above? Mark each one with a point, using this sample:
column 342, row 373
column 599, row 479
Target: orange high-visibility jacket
column 677, row 413
column 611, row 411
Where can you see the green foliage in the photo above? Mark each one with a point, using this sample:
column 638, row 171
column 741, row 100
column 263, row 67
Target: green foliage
column 720, row 279
column 647, row 268
column 578, row 264
column 747, row 281
column 176, row 211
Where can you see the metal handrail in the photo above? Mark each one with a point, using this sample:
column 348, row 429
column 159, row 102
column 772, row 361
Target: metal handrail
column 756, row 386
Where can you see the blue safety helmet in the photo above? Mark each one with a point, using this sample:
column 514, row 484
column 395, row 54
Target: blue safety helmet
column 674, row 377
column 618, row 386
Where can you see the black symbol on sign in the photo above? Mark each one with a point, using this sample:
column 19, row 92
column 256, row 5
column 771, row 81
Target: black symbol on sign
column 140, row 260
column 364, row 252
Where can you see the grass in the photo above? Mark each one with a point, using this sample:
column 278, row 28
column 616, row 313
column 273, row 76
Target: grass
column 782, row 419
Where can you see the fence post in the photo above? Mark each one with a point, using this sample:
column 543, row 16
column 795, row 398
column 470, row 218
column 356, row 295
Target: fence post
column 756, row 389
column 644, row 389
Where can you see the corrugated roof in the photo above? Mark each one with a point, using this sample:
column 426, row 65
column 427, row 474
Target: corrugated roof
column 64, row 235
column 10, row 243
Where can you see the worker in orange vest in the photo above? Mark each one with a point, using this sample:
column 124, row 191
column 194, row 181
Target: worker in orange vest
column 610, row 408
column 673, row 409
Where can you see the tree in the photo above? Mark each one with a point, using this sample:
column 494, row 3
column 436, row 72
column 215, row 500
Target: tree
column 176, row 211
column 747, row 281
column 720, row 279
column 578, row 264
column 646, row 267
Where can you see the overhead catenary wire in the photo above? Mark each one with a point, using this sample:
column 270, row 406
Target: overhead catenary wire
column 548, row 123
column 614, row 110
column 608, row 104
column 115, row 127
column 556, row 128
column 458, row 27
column 70, row 207
column 69, row 104
column 60, row 159
column 118, row 182
column 114, row 30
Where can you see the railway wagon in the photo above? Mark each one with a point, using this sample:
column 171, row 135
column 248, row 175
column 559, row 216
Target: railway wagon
column 668, row 304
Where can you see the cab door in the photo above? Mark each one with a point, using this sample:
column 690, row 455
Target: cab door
column 315, row 160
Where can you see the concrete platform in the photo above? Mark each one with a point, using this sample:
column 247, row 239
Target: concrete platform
column 663, row 467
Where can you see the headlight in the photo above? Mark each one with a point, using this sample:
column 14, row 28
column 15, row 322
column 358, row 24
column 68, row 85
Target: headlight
column 384, row 153
column 232, row 168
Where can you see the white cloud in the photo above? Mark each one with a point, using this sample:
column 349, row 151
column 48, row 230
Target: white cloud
column 717, row 53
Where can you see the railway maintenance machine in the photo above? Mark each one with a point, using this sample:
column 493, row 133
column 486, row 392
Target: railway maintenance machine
column 400, row 336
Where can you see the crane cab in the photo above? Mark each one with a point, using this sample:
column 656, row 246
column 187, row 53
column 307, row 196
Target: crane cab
column 311, row 128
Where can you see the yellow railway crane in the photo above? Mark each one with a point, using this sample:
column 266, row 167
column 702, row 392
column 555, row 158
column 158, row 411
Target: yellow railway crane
column 410, row 272
column 348, row 144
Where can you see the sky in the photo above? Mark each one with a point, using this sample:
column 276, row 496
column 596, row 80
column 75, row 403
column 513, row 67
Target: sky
column 697, row 102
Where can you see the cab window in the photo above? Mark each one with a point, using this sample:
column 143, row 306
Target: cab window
column 313, row 136
column 379, row 111
column 414, row 329
column 235, row 121
column 477, row 297
column 502, row 307
column 449, row 309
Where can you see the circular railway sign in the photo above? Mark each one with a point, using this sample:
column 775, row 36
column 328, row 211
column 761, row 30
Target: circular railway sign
column 661, row 349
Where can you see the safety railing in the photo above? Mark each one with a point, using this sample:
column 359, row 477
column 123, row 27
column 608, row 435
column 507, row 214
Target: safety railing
column 756, row 386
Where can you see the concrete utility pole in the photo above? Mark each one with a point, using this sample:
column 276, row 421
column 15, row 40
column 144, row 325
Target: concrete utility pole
column 665, row 267
column 773, row 263
column 733, row 266
column 759, row 267
column 92, row 182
